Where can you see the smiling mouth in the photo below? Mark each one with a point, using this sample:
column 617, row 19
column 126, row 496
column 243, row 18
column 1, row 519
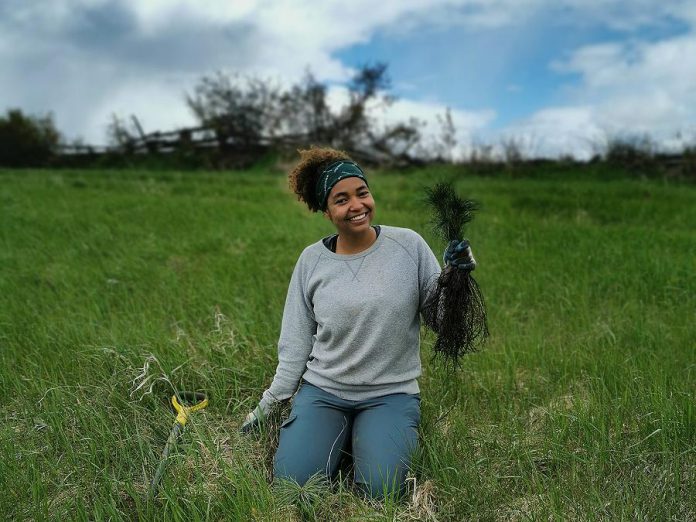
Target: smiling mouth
column 359, row 217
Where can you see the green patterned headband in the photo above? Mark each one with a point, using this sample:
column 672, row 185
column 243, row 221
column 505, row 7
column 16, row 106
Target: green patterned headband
column 334, row 173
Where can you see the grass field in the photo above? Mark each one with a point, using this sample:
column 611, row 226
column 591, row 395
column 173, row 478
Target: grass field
column 116, row 287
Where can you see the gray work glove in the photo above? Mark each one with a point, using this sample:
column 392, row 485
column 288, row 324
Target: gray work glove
column 458, row 254
column 256, row 418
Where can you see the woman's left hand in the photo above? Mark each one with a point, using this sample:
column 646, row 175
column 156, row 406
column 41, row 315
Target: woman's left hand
column 458, row 254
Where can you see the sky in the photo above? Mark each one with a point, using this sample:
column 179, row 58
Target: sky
column 557, row 76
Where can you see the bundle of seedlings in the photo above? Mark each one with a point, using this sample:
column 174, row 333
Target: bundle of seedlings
column 455, row 309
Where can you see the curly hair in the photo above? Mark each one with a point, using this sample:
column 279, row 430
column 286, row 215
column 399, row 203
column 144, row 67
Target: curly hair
column 303, row 178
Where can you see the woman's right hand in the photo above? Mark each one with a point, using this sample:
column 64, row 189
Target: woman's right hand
column 251, row 423
column 256, row 418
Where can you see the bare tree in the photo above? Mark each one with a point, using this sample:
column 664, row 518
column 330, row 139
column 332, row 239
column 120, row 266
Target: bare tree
column 121, row 135
column 247, row 112
column 353, row 124
column 305, row 111
column 397, row 141
column 240, row 109
column 512, row 150
column 447, row 139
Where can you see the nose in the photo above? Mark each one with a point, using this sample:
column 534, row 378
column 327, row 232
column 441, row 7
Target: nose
column 355, row 203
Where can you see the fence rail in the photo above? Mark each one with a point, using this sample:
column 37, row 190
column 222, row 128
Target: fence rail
column 204, row 140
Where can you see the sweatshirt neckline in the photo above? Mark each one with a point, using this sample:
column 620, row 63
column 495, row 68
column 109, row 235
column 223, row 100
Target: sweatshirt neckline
column 347, row 257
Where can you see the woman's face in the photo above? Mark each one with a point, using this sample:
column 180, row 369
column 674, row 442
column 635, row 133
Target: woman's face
column 350, row 206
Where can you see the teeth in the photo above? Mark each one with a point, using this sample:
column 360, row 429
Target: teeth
column 356, row 218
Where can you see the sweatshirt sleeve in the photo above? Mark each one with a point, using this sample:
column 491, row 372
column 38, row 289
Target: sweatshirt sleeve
column 428, row 274
column 296, row 338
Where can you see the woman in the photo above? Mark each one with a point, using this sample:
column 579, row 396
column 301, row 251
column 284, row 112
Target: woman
column 350, row 335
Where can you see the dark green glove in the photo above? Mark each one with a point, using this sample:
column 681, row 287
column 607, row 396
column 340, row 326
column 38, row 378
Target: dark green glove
column 458, row 254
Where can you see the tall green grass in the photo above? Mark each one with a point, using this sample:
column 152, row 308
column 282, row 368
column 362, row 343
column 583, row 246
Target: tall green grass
column 117, row 288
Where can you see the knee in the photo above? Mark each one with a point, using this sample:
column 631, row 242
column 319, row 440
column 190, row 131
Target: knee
column 299, row 467
column 290, row 471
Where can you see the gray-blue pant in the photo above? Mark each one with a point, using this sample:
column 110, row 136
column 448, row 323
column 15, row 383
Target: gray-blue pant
column 382, row 434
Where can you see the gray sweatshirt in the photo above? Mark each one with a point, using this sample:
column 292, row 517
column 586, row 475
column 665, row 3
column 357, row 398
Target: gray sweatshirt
column 351, row 323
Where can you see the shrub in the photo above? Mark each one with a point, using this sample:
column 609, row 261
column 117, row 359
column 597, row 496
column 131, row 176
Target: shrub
column 688, row 162
column 27, row 141
column 632, row 152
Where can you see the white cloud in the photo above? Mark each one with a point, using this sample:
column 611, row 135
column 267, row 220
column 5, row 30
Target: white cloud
column 638, row 65
column 153, row 15
column 635, row 87
column 555, row 131
column 135, row 97
column 626, row 15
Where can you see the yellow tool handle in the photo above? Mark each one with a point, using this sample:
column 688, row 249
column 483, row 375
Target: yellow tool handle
column 182, row 412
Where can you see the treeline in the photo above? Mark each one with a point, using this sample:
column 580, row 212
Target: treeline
column 241, row 120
